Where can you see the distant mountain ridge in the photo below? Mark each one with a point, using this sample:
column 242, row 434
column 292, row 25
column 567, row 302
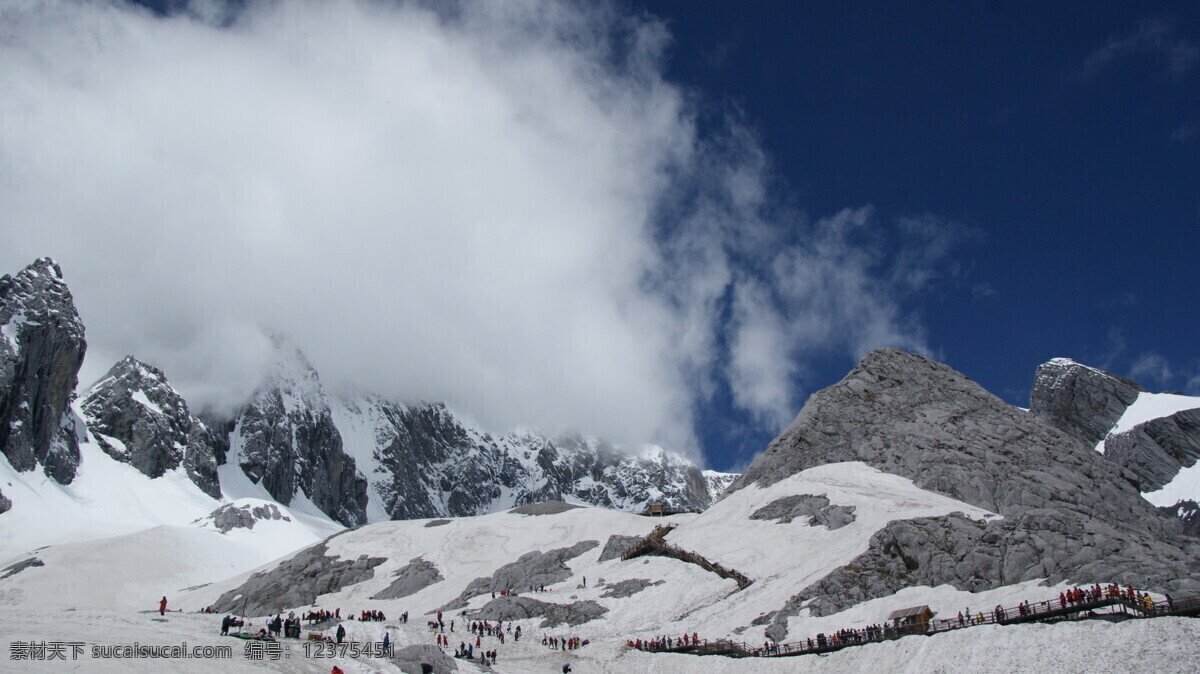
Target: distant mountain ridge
column 356, row 459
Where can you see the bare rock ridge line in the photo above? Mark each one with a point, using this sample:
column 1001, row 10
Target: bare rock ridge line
column 1069, row 513
column 41, row 350
column 654, row 544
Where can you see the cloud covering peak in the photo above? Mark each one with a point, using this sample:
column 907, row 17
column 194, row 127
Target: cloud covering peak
column 506, row 206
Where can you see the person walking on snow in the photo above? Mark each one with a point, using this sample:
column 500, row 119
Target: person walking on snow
column 162, row 606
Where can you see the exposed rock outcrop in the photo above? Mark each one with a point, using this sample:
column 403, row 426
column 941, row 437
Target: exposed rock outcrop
column 521, row 608
column 410, row 658
column 1082, row 401
column 417, row 575
column 1156, row 450
column 1068, row 512
column 531, row 569
column 285, row 439
column 5, row 504
column 233, row 516
column 138, row 418
column 628, row 588
column 13, row 569
column 41, row 349
column 818, row 510
column 297, row 582
column 618, row 545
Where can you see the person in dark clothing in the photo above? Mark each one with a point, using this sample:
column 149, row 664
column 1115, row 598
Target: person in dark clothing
column 341, row 633
column 225, row 625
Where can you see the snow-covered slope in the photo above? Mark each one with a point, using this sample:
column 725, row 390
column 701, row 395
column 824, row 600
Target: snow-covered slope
column 1148, row 407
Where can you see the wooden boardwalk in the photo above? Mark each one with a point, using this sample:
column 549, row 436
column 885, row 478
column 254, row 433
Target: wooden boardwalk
column 1049, row 611
column 654, row 544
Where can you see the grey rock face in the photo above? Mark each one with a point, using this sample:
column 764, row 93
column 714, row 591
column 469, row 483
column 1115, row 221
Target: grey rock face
column 41, row 350
column 617, row 545
column 417, row 575
column 297, row 582
column 1156, row 450
column 1069, row 513
column 140, row 419
column 628, row 588
column 430, row 464
column 285, row 439
column 5, row 504
column 229, row 516
column 13, row 569
column 410, row 658
column 1082, row 401
column 530, row 569
column 817, row 509
column 521, row 608
column 436, row 523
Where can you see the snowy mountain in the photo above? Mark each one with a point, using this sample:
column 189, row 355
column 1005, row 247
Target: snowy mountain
column 41, row 350
column 353, row 459
column 905, row 484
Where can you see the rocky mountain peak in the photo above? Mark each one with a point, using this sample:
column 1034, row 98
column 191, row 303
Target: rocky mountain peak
column 909, row 415
column 1083, row 401
column 41, row 349
column 138, row 418
column 285, row 439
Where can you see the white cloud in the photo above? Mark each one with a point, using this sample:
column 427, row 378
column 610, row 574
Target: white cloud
column 1151, row 367
column 505, row 206
column 1155, row 35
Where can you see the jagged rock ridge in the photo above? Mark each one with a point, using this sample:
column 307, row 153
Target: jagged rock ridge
column 139, row 419
column 41, row 349
column 423, row 461
column 285, row 440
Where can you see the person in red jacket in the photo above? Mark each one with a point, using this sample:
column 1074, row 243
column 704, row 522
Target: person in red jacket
column 336, row 670
column 162, row 606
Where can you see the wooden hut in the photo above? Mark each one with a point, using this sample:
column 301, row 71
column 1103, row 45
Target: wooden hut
column 914, row 620
column 655, row 509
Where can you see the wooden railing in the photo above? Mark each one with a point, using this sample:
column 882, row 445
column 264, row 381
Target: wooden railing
column 1045, row 611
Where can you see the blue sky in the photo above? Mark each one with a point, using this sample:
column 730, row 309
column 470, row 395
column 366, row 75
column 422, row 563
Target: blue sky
column 662, row 222
column 1065, row 135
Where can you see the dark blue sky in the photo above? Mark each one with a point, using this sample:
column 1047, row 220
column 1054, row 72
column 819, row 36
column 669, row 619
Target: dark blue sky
column 1066, row 134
